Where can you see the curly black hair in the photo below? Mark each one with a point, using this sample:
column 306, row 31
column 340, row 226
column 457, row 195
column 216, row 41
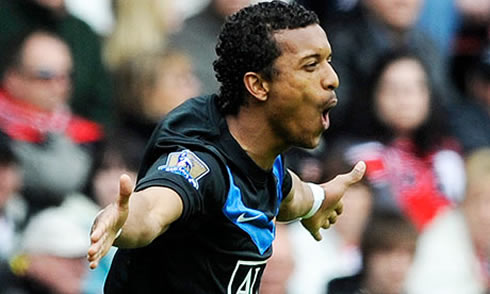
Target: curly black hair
column 246, row 44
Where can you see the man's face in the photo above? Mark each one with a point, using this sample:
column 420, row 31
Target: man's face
column 44, row 77
column 302, row 92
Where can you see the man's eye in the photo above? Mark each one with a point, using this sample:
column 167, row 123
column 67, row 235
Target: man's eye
column 311, row 66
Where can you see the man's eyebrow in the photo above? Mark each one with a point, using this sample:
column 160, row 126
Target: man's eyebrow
column 314, row 56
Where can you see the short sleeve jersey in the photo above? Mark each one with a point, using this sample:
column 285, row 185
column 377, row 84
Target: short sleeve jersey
column 222, row 240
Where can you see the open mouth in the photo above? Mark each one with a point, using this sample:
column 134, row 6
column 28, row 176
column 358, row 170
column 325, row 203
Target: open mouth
column 327, row 110
column 325, row 118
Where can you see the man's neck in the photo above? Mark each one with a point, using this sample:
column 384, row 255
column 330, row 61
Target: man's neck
column 255, row 136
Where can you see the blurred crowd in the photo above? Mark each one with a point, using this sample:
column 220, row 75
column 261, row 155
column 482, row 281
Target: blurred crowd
column 81, row 92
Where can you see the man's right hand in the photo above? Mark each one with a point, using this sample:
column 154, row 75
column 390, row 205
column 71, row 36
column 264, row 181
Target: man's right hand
column 108, row 223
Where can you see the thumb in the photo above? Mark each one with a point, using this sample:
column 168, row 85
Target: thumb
column 125, row 190
column 355, row 175
column 316, row 235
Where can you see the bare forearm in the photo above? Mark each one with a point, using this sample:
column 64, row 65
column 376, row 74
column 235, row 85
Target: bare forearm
column 298, row 202
column 150, row 214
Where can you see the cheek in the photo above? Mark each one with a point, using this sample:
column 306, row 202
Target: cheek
column 385, row 108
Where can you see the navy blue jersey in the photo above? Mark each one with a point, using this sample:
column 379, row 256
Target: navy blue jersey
column 224, row 237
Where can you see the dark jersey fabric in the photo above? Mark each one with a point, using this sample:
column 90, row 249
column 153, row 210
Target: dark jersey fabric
column 222, row 240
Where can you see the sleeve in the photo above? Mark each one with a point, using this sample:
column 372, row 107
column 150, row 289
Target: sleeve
column 197, row 177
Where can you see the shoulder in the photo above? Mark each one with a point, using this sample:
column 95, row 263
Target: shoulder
column 197, row 176
column 198, row 118
column 193, row 170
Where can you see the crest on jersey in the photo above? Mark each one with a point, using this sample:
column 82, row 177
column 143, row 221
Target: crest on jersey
column 186, row 164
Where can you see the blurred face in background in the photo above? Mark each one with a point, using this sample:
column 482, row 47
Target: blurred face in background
column 58, row 274
column 402, row 97
column 387, row 269
column 228, row 7
column 400, row 15
column 174, row 83
column 106, row 177
column 43, row 78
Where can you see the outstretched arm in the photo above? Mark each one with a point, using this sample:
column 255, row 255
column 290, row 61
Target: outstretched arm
column 152, row 212
column 301, row 200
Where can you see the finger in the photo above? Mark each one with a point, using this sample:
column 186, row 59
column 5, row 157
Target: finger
column 98, row 231
column 355, row 175
column 93, row 251
column 317, row 235
column 339, row 208
column 333, row 218
column 94, row 225
column 125, row 190
column 96, row 254
column 326, row 225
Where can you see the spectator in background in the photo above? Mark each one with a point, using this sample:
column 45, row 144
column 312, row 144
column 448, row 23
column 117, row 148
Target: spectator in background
column 281, row 264
column 471, row 38
column 388, row 248
column 55, row 147
column 412, row 163
column 51, row 255
column 198, row 37
column 92, row 92
column 338, row 254
column 453, row 254
column 441, row 20
column 120, row 154
column 471, row 118
column 12, row 208
column 148, row 87
column 333, row 11
column 140, row 27
column 379, row 26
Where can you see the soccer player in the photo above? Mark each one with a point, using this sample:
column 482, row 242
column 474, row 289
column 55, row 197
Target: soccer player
column 213, row 180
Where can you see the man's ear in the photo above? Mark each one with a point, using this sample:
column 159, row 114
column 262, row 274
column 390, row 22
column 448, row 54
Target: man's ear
column 256, row 85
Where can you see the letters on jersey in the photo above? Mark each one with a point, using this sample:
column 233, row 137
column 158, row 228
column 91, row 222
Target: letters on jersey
column 186, row 164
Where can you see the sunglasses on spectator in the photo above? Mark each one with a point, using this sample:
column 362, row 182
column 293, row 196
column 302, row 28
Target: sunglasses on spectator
column 47, row 75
